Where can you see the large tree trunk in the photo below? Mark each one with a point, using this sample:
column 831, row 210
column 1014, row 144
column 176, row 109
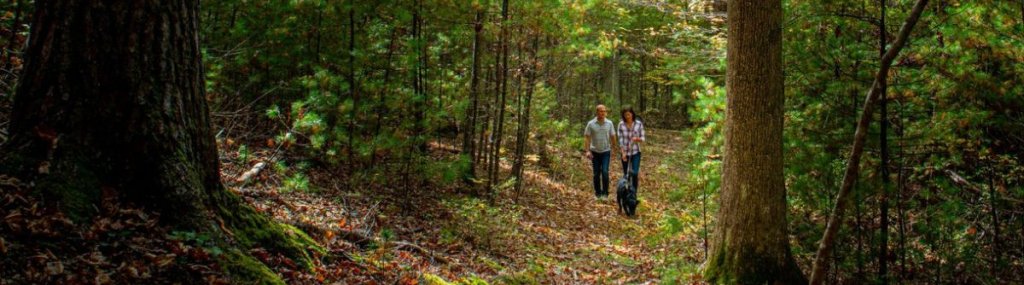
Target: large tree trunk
column 112, row 98
column 113, row 93
column 750, row 245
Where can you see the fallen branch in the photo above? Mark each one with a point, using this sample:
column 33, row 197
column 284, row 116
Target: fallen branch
column 363, row 241
column 859, row 138
column 252, row 172
column 439, row 146
column 272, row 195
column 401, row 245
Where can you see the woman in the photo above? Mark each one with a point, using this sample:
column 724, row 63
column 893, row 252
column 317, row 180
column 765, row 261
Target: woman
column 631, row 134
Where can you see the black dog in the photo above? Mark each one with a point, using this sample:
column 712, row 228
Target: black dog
column 626, row 196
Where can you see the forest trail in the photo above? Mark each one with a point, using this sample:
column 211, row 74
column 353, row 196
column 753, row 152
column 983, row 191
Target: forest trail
column 556, row 232
column 587, row 240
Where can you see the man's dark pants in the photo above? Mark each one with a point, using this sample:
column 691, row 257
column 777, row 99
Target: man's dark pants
column 600, row 162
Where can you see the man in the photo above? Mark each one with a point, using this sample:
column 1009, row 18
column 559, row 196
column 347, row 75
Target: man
column 599, row 141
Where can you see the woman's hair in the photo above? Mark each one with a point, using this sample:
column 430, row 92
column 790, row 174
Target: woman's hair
column 630, row 110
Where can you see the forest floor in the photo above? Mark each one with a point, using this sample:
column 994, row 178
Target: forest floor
column 555, row 232
column 378, row 228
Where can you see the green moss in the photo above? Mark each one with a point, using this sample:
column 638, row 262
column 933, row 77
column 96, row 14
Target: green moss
column 303, row 239
column 532, row 274
column 75, row 188
column 713, row 273
column 251, row 229
column 75, row 185
column 244, row 269
column 747, row 266
column 431, row 279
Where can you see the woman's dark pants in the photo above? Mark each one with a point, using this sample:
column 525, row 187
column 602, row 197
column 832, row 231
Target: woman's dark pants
column 633, row 164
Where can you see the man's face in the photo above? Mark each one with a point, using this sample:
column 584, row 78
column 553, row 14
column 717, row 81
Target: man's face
column 601, row 112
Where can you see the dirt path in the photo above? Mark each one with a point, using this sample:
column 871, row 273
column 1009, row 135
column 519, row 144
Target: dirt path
column 582, row 240
column 563, row 234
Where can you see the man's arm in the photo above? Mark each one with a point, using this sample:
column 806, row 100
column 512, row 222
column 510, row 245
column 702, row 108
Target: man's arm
column 586, row 145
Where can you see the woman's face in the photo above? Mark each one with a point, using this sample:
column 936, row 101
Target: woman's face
column 628, row 116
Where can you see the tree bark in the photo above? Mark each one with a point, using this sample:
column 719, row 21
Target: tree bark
column 112, row 99
column 853, row 165
column 751, row 245
column 472, row 114
column 352, row 83
column 115, row 91
column 883, row 142
column 503, row 91
column 523, row 133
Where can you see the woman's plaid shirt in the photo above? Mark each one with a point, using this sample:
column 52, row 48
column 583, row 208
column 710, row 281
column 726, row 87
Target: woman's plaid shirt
column 626, row 135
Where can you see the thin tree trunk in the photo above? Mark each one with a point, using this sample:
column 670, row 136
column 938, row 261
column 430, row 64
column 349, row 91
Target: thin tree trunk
column 16, row 27
column 901, row 200
column 614, row 77
column 883, row 200
column 524, row 119
column 503, row 81
column 319, row 33
column 381, row 105
column 419, row 98
column 860, row 276
column 655, row 103
column 234, row 16
column 352, row 84
column 640, row 83
column 473, row 113
column 492, row 139
column 751, row 243
column 485, row 118
column 853, row 165
column 996, row 248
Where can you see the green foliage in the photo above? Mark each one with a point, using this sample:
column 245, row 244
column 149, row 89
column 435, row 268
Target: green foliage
column 295, row 178
column 296, row 182
column 244, row 155
column 954, row 105
column 946, row 91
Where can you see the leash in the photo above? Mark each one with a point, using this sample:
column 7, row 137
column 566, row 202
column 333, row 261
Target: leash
column 629, row 148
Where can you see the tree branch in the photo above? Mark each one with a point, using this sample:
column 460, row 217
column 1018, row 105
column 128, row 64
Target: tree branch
column 853, row 165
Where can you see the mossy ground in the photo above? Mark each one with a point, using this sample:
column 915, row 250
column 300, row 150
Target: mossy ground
column 71, row 188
